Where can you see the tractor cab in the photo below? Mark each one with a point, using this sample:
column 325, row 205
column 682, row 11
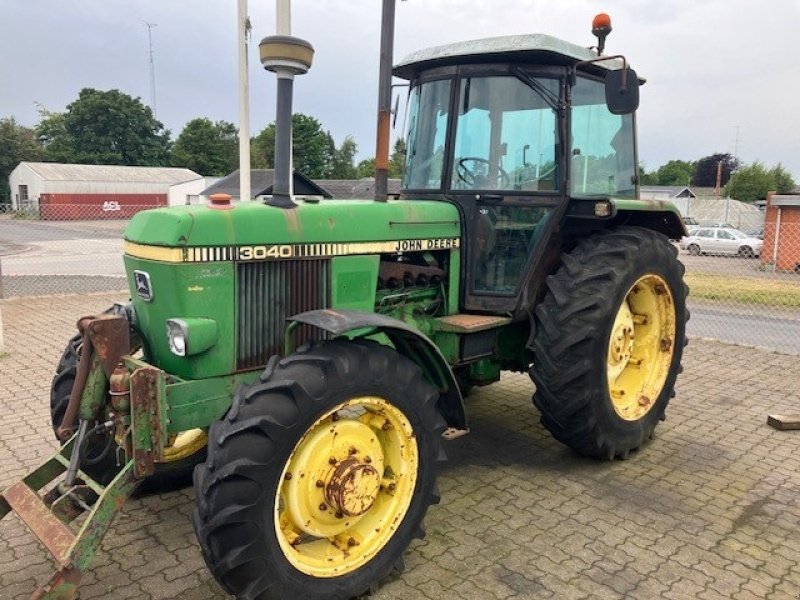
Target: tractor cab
column 519, row 132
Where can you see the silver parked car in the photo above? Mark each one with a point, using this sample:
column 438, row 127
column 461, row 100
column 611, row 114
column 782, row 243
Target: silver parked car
column 721, row 240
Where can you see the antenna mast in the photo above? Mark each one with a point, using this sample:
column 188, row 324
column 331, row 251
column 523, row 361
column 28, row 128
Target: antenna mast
column 152, row 65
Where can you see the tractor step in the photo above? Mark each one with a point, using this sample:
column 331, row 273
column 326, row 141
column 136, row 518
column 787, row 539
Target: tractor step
column 468, row 323
column 49, row 516
column 452, row 433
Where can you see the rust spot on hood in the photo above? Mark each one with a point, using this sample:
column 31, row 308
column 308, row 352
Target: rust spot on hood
column 293, row 222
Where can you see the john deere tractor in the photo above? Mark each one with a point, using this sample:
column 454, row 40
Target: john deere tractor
column 310, row 359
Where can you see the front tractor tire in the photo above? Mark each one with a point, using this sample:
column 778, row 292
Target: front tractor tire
column 609, row 337
column 320, row 475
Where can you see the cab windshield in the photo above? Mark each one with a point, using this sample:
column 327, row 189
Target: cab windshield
column 505, row 139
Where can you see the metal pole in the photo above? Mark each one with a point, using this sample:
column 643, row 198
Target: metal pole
column 281, row 187
column 283, row 17
column 384, row 102
column 244, row 105
column 283, row 26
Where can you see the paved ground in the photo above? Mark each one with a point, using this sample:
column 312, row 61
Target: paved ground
column 709, row 509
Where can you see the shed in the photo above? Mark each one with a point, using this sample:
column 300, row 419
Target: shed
column 71, row 192
column 261, row 181
column 364, row 189
column 665, row 192
column 782, row 232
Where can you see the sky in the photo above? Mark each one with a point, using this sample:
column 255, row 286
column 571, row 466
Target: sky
column 722, row 75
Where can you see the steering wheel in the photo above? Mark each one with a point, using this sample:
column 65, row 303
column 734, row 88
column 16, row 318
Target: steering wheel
column 476, row 177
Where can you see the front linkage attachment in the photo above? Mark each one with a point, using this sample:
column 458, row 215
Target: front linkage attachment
column 121, row 396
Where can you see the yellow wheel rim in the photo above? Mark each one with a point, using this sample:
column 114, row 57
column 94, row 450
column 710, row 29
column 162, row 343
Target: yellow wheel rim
column 346, row 487
column 641, row 347
column 184, row 445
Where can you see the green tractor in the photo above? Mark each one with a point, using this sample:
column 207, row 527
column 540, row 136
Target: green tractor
column 309, row 360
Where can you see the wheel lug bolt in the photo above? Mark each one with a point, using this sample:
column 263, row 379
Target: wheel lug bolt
column 339, row 514
column 323, row 506
column 332, row 460
column 287, row 476
column 386, row 426
column 351, row 542
column 352, row 450
column 367, row 459
column 335, row 417
column 392, row 487
column 320, row 483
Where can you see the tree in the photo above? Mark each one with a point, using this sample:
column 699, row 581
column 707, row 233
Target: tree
column 366, row 168
column 207, row 148
column 782, row 180
column 52, row 135
column 311, row 147
column 646, row 178
column 675, row 172
column 750, row 183
column 17, row 143
column 705, row 170
column 343, row 164
column 107, row 128
column 397, row 162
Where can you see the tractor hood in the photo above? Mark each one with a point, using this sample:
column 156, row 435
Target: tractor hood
column 326, row 221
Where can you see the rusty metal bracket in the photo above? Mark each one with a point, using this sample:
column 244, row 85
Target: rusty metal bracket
column 107, row 337
column 111, row 339
column 148, row 421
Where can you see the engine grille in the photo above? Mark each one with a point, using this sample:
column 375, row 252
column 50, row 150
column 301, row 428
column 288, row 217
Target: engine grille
column 269, row 292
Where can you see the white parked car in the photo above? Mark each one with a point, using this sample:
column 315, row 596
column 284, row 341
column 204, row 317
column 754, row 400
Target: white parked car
column 721, row 240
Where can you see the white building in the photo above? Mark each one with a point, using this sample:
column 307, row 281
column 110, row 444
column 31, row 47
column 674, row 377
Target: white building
column 67, row 191
column 191, row 192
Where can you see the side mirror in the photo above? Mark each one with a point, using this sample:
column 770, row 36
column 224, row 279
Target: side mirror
column 622, row 91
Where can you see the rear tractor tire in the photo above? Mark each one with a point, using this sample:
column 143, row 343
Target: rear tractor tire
column 609, row 337
column 320, row 475
column 99, row 455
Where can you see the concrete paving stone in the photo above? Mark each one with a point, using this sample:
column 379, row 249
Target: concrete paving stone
column 790, row 588
column 160, row 587
column 598, row 590
column 762, row 590
column 726, row 586
column 648, row 588
column 684, row 589
column 564, row 590
column 746, row 595
column 612, row 575
column 643, row 562
column 778, row 567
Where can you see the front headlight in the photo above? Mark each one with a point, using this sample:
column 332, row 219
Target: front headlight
column 176, row 336
column 191, row 335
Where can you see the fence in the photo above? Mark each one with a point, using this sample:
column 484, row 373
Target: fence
column 742, row 291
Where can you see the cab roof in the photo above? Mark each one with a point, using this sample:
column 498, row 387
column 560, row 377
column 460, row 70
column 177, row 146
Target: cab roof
column 537, row 48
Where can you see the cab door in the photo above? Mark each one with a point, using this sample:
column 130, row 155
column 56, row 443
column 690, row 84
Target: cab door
column 505, row 173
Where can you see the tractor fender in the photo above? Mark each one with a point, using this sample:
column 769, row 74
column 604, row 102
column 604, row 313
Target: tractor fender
column 406, row 340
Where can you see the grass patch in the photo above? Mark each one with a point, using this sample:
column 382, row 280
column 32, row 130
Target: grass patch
column 4, row 354
column 747, row 290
